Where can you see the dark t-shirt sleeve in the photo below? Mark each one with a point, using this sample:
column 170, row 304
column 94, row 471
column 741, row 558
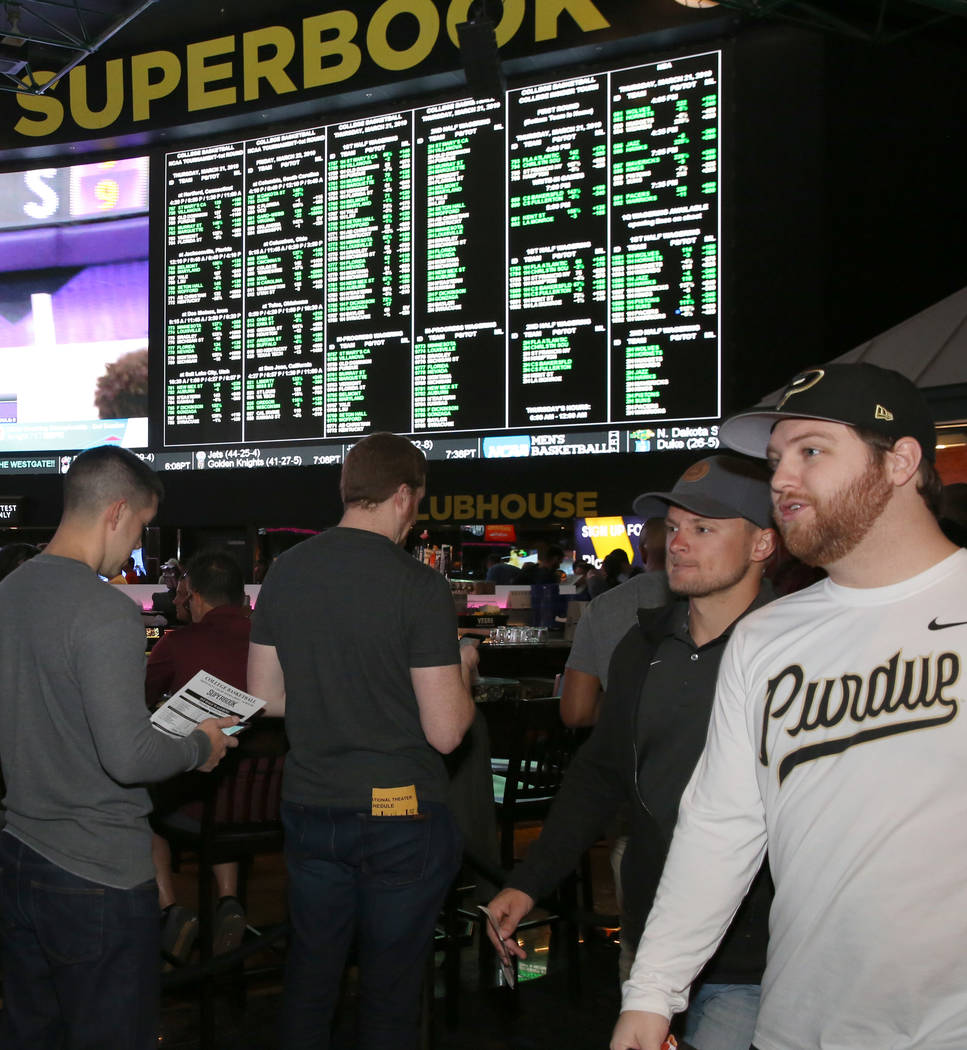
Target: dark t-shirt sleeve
column 432, row 637
column 262, row 633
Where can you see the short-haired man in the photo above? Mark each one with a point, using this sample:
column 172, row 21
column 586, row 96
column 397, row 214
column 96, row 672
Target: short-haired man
column 216, row 641
column 652, row 727
column 835, row 742
column 78, row 905
column 357, row 642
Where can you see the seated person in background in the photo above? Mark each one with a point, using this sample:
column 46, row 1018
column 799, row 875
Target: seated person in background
column 499, row 570
column 651, row 545
column 164, row 601
column 547, row 568
column 615, row 569
column 130, row 571
column 216, row 641
column 581, row 576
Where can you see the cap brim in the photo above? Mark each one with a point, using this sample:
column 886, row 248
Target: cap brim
column 656, row 504
column 749, row 432
column 651, row 505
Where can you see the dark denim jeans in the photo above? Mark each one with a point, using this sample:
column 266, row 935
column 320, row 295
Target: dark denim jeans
column 381, row 880
column 80, row 960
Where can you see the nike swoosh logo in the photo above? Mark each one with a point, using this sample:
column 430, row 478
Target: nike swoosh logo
column 653, row 662
column 934, row 626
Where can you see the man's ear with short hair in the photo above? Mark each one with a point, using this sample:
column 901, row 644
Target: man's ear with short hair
column 765, row 545
column 903, row 460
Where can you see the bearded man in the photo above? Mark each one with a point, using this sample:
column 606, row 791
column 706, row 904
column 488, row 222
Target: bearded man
column 867, row 843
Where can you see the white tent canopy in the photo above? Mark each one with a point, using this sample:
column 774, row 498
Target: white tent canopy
column 930, row 347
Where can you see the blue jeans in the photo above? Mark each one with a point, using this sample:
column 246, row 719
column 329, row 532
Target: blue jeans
column 722, row 1016
column 380, row 880
column 80, row 960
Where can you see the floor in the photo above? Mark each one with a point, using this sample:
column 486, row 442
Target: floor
column 544, row 1015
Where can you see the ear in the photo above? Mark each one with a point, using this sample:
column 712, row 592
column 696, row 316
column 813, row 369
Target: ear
column 765, row 545
column 114, row 512
column 903, row 460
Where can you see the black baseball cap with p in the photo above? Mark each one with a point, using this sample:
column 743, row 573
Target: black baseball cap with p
column 857, row 395
column 715, row 487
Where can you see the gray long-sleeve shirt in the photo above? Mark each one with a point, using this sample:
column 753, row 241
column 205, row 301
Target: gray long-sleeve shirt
column 76, row 746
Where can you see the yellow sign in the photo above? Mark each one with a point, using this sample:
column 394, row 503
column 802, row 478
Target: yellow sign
column 510, row 506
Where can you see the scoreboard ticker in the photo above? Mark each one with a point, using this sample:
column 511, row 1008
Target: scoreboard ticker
column 537, row 274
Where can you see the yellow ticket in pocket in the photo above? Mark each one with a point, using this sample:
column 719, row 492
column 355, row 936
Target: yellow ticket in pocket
column 395, row 802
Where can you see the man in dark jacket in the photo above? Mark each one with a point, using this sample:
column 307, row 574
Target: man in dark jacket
column 652, row 729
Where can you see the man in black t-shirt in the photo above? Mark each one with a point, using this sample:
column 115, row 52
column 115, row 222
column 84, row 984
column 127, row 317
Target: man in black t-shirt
column 356, row 643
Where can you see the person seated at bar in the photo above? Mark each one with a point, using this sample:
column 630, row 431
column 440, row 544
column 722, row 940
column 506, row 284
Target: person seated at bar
column 547, row 568
column 216, row 641
column 500, row 570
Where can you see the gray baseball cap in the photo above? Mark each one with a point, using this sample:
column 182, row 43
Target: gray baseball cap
column 716, row 487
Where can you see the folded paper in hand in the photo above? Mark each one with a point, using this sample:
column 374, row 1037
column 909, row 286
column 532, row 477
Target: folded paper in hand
column 204, row 696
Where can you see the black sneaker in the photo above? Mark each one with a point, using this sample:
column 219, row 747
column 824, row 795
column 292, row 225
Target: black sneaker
column 179, row 931
column 229, row 926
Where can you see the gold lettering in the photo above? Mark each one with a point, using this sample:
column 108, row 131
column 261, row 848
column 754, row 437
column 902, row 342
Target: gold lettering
column 585, row 504
column 439, row 513
column 564, row 504
column 488, row 506
column 200, row 74
column 271, row 69
column 83, row 115
column 144, row 91
column 587, row 16
column 380, row 51
column 510, row 20
column 513, row 506
column 462, row 507
column 50, row 108
column 340, row 46
column 545, row 508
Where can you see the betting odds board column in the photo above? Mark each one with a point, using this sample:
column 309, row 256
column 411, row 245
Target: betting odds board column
column 368, row 270
column 459, row 365
column 558, row 253
column 285, row 286
column 664, row 201
column 203, row 296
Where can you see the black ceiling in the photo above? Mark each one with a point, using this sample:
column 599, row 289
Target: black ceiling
column 60, row 34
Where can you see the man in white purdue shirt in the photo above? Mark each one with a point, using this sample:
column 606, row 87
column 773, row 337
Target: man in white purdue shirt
column 835, row 742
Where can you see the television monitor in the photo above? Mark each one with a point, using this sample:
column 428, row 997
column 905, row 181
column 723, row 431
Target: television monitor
column 74, row 248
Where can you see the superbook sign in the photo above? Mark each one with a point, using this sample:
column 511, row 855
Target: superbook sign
column 332, row 49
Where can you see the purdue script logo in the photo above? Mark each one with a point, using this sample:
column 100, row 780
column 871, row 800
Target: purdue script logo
column 800, row 384
column 877, row 702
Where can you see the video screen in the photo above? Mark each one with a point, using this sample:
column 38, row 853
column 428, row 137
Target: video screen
column 74, row 286
column 518, row 277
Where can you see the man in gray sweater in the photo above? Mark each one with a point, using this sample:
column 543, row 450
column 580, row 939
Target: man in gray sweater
column 79, row 927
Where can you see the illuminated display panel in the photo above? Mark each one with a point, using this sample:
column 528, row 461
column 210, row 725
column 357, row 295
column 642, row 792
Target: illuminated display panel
column 537, row 275
column 73, row 311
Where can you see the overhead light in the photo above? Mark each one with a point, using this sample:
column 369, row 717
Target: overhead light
column 697, row 3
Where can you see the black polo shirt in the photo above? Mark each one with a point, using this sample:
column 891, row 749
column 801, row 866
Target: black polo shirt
column 672, row 719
